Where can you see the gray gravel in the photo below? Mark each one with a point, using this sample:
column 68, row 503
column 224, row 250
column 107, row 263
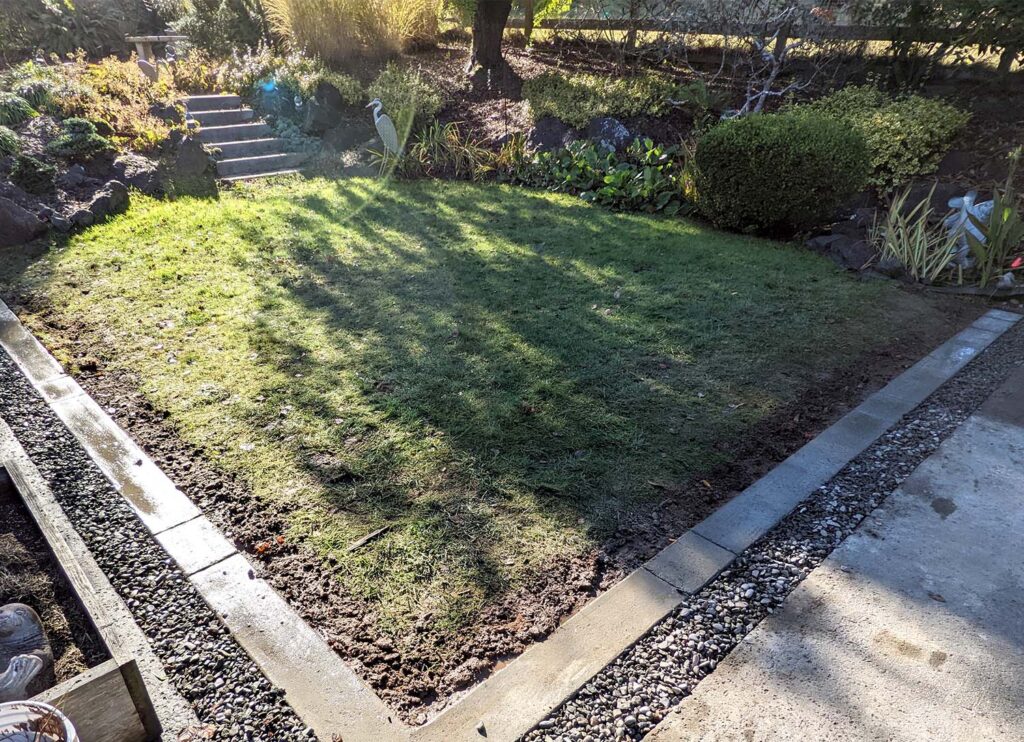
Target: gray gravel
column 630, row 696
column 230, row 695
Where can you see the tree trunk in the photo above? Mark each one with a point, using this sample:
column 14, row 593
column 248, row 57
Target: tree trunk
column 488, row 26
column 528, row 23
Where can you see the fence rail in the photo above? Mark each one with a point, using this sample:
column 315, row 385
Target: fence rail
column 829, row 31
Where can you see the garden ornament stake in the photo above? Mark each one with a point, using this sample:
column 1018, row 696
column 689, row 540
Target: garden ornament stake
column 386, row 130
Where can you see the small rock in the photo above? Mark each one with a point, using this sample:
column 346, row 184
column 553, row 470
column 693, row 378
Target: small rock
column 549, row 133
column 18, row 225
column 609, row 133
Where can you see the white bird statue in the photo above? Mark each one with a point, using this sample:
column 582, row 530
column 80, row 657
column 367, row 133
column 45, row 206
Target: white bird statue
column 386, row 130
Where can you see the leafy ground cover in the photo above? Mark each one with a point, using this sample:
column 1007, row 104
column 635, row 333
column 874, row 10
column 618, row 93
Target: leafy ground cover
column 502, row 378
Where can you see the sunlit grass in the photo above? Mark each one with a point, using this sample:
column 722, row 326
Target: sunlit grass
column 497, row 374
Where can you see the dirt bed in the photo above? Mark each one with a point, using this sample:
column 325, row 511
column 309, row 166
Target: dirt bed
column 399, row 670
column 30, row 575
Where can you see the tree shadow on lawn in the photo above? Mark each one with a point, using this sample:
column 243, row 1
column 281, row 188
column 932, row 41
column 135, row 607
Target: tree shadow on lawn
column 516, row 377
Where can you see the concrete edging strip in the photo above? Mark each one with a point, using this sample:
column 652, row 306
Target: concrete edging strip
column 333, row 699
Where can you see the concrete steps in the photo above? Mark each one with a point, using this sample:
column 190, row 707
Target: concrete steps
column 243, row 145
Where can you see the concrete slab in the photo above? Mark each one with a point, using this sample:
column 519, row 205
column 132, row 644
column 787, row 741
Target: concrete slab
column 321, row 688
column 689, row 563
column 195, row 545
column 913, row 629
column 756, row 510
column 159, row 504
column 32, row 358
column 510, row 702
column 996, row 320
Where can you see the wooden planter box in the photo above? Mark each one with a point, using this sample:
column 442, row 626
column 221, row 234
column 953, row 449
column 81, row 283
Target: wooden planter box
column 109, row 702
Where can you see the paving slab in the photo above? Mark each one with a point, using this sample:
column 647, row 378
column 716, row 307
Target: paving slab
column 913, row 629
column 689, row 563
column 195, row 545
column 510, row 702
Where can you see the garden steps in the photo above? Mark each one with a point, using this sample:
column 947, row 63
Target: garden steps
column 243, row 145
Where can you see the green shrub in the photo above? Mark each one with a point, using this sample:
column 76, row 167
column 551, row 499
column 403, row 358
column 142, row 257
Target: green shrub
column 409, row 99
column 10, row 144
column 32, row 175
column 350, row 88
column 577, row 99
column 906, row 136
column 14, row 109
column 778, row 172
column 645, row 177
column 78, row 141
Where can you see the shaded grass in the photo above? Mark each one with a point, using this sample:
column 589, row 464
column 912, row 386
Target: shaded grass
column 497, row 374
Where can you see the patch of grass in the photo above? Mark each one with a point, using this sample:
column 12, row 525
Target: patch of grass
column 498, row 374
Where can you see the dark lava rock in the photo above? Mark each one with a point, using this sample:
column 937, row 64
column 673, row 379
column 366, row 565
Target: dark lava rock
column 113, row 199
column 82, row 218
column 550, row 133
column 60, row 223
column 193, row 170
column 319, row 118
column 18, row 225
column 609, row 133
column 940, row 198
column 72, row 178
column 138, row 172
column 845, row 251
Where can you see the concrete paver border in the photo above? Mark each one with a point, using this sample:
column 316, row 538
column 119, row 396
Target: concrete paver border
column 330, row 697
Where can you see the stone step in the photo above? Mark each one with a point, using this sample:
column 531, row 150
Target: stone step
column 254, row 176
column 234, row 132
column 261, row 164
column 195, row 103
column 250, row 148
column 223, row 118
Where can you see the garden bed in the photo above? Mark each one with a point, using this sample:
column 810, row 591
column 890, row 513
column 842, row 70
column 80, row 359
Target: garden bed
column 519, row 397
column 29, row 574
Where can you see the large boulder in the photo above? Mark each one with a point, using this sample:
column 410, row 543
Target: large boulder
column 845, row 251
column 550, row 133
column 138, row 172
column 112, row 199
column 18, row 225
column 609, row 133
column 319, row 118
column 193, row 169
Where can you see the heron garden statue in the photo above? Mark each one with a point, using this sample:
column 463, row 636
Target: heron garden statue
column 386, row 130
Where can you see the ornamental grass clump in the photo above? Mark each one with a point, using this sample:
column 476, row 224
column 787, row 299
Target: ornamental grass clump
column 778, row 173
column 14, row 110
column 10, row 144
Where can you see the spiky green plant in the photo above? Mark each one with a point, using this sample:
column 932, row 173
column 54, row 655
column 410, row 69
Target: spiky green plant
column 14, row 109
column 10, row 144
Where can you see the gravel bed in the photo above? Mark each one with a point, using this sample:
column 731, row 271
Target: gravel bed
column 230, row 695
column 630, row 696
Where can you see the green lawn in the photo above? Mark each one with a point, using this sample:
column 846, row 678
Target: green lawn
column 497, row 373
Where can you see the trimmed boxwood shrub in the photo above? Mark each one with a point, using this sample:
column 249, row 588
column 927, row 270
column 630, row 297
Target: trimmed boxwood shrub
column 778, row 173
